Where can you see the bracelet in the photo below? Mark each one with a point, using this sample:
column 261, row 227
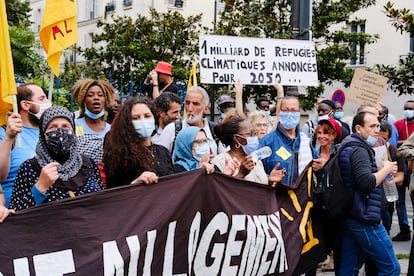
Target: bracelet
column 155, row 85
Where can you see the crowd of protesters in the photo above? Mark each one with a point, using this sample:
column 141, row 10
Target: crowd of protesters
column 49, row 153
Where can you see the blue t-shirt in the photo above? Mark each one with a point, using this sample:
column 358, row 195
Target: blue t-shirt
column 83, row 128
column 23, row 150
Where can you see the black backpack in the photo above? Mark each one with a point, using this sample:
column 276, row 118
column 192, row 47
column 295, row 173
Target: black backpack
column 331, row 193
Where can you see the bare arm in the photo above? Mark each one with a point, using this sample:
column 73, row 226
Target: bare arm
column 238, row 88
column 14, row 126
column 280, row 94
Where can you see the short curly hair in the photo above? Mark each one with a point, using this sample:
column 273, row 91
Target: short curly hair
column 81, row 87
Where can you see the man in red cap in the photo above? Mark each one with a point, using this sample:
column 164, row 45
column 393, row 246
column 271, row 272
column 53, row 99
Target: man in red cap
column 160, row 80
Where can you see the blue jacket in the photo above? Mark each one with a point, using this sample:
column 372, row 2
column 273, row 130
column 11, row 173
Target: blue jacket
column 285, row 151
column 357, row 168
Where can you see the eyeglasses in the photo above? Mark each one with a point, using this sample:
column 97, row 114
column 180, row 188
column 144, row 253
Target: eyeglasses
column 262, row 124
column 247, row 134
column 201, row 142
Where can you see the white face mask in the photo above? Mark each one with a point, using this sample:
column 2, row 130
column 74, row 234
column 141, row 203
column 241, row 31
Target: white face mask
column 323, row 117
column 42, row 108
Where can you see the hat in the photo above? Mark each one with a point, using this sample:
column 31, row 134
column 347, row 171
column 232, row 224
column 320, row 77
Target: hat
column 224, row 99
column 329, row 103
column 164, row 68
column 335, row 125
column 55, row 112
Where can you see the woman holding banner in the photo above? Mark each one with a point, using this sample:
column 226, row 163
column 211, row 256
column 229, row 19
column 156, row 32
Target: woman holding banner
column 129, row 155
column 58, row 170
column 239, row 135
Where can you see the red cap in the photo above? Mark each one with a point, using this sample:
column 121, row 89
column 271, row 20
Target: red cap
column 335, row 125
column 164, row 68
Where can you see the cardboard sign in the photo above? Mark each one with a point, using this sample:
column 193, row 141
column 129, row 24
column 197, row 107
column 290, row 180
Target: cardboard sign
column 366, row 87
column 257, row 61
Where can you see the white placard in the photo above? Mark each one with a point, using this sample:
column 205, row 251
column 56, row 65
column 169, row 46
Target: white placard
column 257, row 61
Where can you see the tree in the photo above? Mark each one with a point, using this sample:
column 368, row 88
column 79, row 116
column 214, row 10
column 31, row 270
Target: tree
column 26, row 61
column 401, row 77
column 132, row 47
column 271, row 19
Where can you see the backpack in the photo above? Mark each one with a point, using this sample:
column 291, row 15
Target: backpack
column 331, row 194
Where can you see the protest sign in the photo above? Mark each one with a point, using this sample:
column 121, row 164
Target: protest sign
column 257, row 61
column 366, row 87
column 188, row 223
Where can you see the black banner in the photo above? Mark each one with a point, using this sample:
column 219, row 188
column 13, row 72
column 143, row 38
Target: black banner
column 188, row 223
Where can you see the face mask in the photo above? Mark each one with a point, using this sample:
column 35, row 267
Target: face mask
column 222, row 115
column 144, row 128
column 266, row 112
column 94, row 116
column 323, row 117
column 371, row 140
column 251, row 146
column 339, row 115
column 194, row 118
column 42, row 108
column 59, row 142
column 289, row 120
column 408, row 114
column 201, row 150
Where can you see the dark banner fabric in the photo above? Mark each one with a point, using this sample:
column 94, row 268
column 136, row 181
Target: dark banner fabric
column 187, row 224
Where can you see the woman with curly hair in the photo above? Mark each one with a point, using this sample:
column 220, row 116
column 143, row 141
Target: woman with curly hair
column 129, row 155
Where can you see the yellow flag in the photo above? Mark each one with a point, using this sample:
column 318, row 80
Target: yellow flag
column 192, row 81
column 59, row 30
column 7, row 82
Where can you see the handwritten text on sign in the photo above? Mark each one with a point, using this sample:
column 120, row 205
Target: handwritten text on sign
column 257, row 61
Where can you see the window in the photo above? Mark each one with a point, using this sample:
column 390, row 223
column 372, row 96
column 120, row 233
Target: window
column 127, row 3
column 176, row 3
column 358, row 48
column 110, row 7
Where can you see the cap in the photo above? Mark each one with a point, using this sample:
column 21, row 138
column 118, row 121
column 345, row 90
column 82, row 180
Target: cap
column 335, row 125
column 164, row 68
column 224, row 99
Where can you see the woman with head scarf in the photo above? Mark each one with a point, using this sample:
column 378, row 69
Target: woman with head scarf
column 58, row 170
column 129, row 155
column 192, row 150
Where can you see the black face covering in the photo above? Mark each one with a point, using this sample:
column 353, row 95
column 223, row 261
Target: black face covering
column 59, row 142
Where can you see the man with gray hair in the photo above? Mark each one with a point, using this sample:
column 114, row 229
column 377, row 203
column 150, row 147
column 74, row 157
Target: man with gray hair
column 197, row 104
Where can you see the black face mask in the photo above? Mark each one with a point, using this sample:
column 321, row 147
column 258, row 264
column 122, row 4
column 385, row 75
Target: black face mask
column 59, row 142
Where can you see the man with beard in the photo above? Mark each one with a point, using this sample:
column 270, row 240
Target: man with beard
column 197, row 104
column 169, row 106
column 31, row 102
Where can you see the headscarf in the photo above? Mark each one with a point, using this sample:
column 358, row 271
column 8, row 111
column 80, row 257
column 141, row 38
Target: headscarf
column 183, row 148
column 70, row 167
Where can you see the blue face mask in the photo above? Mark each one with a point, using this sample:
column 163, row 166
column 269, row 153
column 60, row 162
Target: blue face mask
column 94, row 116
column 251, row 146
column 144, row 128
column 289, row 120
column 201, row 150
column 339, row 115
column 408, row 114
column 371, row 140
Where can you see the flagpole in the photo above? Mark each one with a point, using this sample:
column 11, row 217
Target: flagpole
column 51, row 83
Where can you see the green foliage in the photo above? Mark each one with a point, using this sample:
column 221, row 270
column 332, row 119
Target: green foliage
column 17, row 13
column 271, row 19
column 401, row 77
column 26, row 61
column 132, row 47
